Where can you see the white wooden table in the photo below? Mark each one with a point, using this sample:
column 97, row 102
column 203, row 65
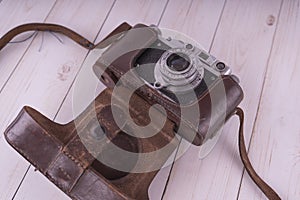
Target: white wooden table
column 259, row 39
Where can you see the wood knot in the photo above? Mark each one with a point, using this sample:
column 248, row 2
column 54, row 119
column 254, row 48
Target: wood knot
column 270, row 20
column 64, row 71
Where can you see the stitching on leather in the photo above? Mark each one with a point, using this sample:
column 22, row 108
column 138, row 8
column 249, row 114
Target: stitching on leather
column 65, row 172
column 77, row 162
column 56, row 182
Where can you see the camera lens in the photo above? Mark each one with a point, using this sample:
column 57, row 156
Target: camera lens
column 178, row 62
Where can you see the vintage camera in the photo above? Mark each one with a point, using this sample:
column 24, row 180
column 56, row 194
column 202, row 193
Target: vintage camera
column 176, row 74
column 176, row 68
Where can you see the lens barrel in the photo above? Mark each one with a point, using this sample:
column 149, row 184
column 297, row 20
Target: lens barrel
column 178, row 62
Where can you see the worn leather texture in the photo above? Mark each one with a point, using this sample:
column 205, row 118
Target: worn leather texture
column 58, row 152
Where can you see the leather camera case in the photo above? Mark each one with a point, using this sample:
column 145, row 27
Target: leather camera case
column 58, row 152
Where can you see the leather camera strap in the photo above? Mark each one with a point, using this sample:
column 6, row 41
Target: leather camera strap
column 65, row 31
column 267, row 190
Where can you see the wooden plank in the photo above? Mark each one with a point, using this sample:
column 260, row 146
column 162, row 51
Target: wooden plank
column 197, row 19
column 43, row 78
column 275, row 145
column 243, row 40
column 133, row 12
column 14, row 13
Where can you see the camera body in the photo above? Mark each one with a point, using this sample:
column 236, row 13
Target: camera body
column 175, row 74
column 177, row 68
